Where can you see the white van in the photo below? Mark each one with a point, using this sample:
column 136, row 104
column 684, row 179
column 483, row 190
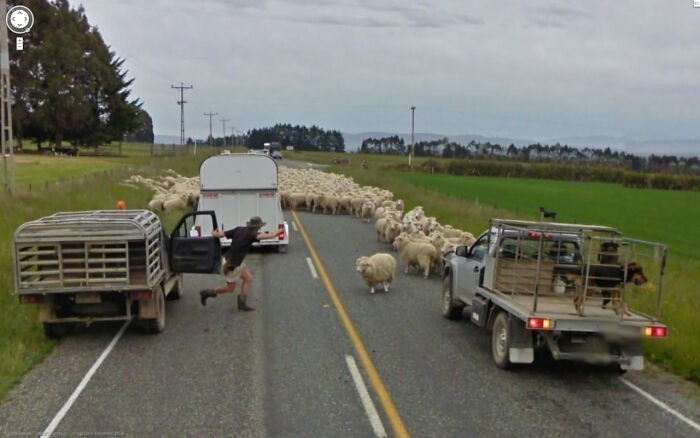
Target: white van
column 237, row 187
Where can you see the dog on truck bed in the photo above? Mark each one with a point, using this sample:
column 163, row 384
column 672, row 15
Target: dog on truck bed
column 609, row 277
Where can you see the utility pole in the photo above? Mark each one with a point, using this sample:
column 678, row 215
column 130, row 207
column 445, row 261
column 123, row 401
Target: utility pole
column 182, row 103
column 413, row 150
column 233, row 139
column 210, row 114
column 8, row 160
column 223, row 121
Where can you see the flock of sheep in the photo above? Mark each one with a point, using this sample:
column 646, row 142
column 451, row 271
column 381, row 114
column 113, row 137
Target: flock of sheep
column 170, row 192
column 420, row 240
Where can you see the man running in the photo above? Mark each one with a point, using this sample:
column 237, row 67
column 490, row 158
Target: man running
column 242, row 239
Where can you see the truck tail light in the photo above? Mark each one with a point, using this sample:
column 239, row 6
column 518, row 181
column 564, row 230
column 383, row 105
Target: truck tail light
column 31, row 299
column 141, row 295
column 540, row 324
column 655, row 332
column 281, row 236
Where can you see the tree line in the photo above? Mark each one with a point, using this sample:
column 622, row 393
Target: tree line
column 537, row 153
column 302, row 138
column 68, row 86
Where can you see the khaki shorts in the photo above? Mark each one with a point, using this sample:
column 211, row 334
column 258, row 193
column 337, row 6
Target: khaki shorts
column 231, row 276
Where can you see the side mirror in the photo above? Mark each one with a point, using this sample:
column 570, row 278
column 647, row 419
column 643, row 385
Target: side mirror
column 462, row 250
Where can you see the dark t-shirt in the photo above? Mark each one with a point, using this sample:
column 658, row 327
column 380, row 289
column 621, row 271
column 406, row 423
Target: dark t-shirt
column 241, row 240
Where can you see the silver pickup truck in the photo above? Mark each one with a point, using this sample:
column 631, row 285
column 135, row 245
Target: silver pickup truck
column 584, row 292
column 106, row 265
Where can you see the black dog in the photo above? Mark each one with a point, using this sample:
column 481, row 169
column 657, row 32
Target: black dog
column 608, row 278
column 548, row 214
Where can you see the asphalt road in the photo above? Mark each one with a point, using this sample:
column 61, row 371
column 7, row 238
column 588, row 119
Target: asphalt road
column 283, row 369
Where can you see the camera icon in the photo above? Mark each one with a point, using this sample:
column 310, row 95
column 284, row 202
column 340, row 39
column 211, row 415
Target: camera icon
column 19, row 19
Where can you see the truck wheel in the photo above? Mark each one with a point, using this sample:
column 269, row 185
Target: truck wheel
column 157, row 325
column 450, row 309
column 56, row 330
column 500, row 341
column 176, row 291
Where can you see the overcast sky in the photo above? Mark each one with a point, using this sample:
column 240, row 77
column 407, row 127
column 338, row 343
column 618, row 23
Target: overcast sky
column 533, row 69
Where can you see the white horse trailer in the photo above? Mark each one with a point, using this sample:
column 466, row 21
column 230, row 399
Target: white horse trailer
column 237, row 187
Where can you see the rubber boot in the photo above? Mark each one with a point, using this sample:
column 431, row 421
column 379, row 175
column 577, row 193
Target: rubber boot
column 204, row 294
column 242, row 304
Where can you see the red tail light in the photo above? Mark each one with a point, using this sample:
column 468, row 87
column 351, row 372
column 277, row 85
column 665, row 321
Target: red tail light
column 30, row 299
column 281, row 236
column 655, row 332
column 540, row 324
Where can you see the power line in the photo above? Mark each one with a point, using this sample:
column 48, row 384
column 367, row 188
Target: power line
column 224, row 123
column 210, row 114
column 182, row 103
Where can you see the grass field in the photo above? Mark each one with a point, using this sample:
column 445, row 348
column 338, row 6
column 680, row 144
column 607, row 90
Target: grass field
column 664, row 216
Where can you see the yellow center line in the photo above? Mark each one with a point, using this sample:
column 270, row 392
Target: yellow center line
column 375, row 380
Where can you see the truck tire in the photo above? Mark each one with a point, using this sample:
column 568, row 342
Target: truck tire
column 54, row 330
column 176, row 291
column 157, row 325
column 450, row 309
column 500, row 341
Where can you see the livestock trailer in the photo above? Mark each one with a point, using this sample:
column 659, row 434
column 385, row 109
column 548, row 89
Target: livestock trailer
column 239, row 186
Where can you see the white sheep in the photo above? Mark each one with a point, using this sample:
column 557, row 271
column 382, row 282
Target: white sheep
column 392, row 230
column 377, row 269
column 380, row 226
column 421, row 255
column 367, row 210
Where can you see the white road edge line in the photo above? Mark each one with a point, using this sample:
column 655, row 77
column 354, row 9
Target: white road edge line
column 371, row 411
column 312, row 268
column 83, row 383
column 661, row 404
column 294, row 225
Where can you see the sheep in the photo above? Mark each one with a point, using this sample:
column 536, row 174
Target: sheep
column 376, row 269
column 346, row 204
column 421, row 255
column 296, row 200
column 367, row 210
column 356, row 204
column 391, row 231
column 380, row 226
column 155, row 204
column 331, row 203
column 174, row 203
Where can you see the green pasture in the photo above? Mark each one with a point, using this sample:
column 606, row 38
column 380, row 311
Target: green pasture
column 670, row 217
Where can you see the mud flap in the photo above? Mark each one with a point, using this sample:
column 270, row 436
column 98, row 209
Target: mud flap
column 148, row 309
column 521, row 342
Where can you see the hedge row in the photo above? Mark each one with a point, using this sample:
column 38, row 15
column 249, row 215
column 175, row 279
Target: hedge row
column 567, row 172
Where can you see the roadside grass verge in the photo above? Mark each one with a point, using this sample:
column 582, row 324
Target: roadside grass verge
column 22, row 341
column 655, row 215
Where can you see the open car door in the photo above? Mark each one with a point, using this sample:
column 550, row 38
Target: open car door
column 191, row 252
